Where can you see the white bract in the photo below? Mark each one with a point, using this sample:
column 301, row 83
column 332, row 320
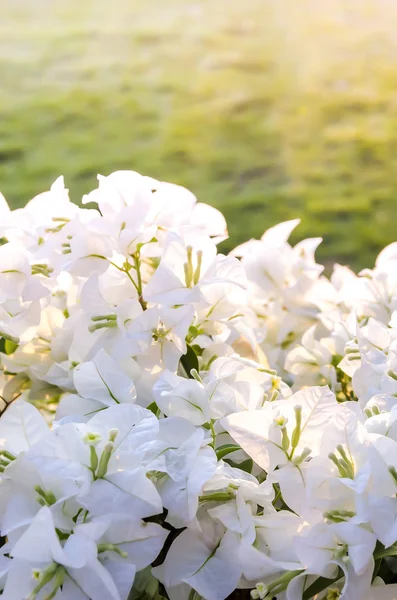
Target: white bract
column 177, row 423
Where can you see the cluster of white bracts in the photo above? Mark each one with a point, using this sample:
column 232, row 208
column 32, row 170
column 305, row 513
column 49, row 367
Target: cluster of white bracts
column 214, row 422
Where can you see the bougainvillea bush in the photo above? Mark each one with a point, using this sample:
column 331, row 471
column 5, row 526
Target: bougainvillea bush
column 181, row 424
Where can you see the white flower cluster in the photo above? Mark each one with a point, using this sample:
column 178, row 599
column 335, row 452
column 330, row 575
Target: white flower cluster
column 180, row 424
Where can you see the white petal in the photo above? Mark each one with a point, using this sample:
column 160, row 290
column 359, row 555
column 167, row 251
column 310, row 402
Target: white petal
column 21, row 427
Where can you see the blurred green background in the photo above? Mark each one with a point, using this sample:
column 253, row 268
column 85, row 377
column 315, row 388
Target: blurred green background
column 267, row 109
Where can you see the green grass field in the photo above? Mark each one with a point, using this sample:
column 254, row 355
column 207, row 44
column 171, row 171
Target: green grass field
column 268, row 109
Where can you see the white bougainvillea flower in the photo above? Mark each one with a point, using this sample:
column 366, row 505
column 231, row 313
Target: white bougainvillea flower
column 21, row 427
column 229, row 419
column 184, row 397
column 284, row 429
column 40, row 564
column 104, row 381
column 182, row 462
column 16, row 279
column 211, row 571
column 185, row 261
column 161, row 336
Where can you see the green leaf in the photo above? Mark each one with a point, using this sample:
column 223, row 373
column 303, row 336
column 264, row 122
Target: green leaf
column 382, row 552
column 153, row 408
column 319, row 585
column 9, row 346
column 246, row 465
column 189, row 361
column 226, row 449
column 146, row 587
column 197, row 349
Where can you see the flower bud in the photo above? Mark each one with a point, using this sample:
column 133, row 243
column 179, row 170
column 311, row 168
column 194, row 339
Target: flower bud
column 113, row 434
column 104, row 460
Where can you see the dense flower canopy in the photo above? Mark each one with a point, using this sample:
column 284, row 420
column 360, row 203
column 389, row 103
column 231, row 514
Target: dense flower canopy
column 179, row 423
